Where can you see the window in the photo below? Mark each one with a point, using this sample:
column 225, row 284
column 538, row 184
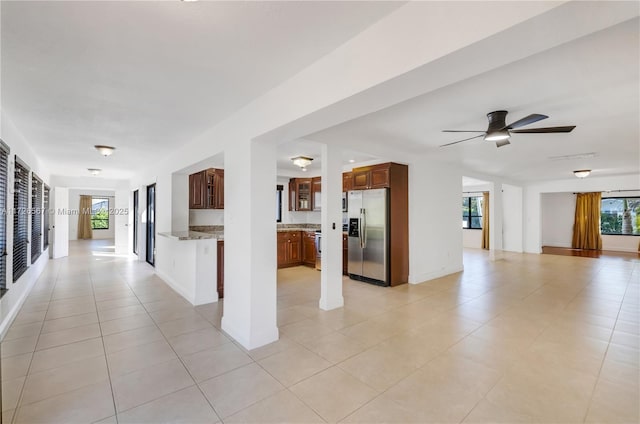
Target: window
column 36, row 217
column 472, row 212
column 20, row 221
column 620, row 216
column 279, row 189
column 99, row 213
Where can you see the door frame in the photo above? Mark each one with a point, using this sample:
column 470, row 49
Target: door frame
column 151, row 224
column 136, row 212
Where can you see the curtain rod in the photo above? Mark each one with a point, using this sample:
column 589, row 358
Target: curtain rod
column 608, row 191
column 469, row 192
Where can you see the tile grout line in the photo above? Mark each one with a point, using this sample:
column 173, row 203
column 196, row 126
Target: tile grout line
column 606, row 352
column 177, row 356
column 19, row 401
column 104, row 350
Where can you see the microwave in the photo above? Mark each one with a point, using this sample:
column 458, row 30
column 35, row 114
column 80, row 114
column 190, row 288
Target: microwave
column 344, row 202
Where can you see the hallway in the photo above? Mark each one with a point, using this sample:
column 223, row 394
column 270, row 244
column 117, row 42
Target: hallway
column 537, row 338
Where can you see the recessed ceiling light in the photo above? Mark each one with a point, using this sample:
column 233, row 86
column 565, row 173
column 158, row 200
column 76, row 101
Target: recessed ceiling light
column 351, row 160
column 94, row 171
column 105, row 150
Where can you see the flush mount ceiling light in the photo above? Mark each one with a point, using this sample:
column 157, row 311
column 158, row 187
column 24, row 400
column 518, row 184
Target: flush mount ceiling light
column 582, row 173
column 105, row 150
column 302, row 161
column 94, row 171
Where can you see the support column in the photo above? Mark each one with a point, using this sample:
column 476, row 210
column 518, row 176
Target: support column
column 250, row 243
column 495, row 222
column 331, row 220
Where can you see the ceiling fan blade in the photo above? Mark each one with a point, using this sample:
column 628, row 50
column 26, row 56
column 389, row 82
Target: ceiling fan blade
column 502, row 143
column 534, row 117
column 463, row 131
column 460, row 141
column 546, row 130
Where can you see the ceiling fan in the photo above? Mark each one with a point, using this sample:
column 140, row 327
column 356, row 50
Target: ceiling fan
column 500, row 132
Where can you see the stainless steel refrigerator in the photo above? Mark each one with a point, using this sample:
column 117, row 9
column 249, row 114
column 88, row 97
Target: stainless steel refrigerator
column 369, row 236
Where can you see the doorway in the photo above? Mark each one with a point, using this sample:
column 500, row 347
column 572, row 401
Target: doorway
column 151, row 224
column 135, row 221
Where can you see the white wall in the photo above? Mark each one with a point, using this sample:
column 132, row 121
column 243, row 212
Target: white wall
column 557, row 211
column 17, row 291
column 435, row 232
column 533, row 195
column 74, row 204
column 472, row 238
column 512, row 218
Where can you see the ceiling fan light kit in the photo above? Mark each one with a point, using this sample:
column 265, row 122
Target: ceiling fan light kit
column 104, row 150
column 500, row 132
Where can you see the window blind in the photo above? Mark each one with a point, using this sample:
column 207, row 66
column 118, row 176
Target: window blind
column 4, row 159
column 45, row 216
column 20, row 230
column 36, row 217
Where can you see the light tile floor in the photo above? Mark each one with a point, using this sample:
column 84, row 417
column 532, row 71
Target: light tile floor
column 530, row 338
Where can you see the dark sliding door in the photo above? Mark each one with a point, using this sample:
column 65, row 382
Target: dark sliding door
column 135, row 222
column 151, row 224
column 20, row 221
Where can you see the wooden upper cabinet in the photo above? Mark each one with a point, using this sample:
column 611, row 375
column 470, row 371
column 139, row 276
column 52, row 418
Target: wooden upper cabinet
column 301, row 194
column 218, row 189
column 206, row 189
column 375, row 176
column 361, row 178
column 197, row 189
column 379, row 176
column 347, row 181
column 292, row 194
column 316, row 192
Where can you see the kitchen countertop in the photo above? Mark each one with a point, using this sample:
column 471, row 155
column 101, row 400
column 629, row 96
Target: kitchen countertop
column 188, row 235
column 217, row 231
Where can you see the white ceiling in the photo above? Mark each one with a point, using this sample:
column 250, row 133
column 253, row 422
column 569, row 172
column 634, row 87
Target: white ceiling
column 592, row 83
column 147, row 76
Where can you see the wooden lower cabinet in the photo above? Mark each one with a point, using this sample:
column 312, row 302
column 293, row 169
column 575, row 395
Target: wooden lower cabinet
column 309, row 248
column 220, row 269
column 345, row 254
column 289, row 249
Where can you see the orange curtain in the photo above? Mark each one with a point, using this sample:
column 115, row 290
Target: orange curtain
column 586, row 228
column 485, row 220
column 84, row 218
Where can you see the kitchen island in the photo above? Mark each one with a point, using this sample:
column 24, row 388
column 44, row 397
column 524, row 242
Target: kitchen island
column 190, row 265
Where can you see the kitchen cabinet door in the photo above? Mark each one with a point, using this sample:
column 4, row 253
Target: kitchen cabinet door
column 197, row 184
column 347, row 181
column 218, row 188
column 220, row 284
column 309, row 248
column 361, row 179
column 303, row 194
column 316, row 193
column 294, row 251
column 379, row 177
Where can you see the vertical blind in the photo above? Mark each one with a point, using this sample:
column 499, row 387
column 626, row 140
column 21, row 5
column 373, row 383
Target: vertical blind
column 45, row 216
column 36, row 217
column 20, row 231
column 4, row 159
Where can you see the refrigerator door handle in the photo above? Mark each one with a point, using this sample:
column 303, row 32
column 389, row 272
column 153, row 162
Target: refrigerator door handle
column 360, row 228
column 363, row 231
